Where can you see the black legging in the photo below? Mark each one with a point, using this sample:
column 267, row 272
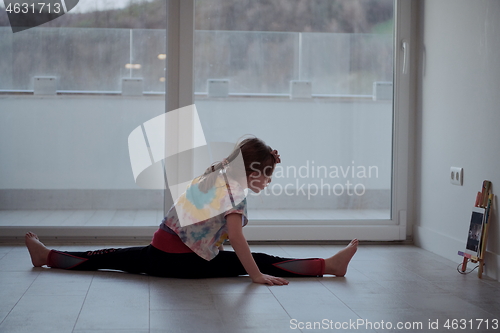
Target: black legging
column 151, row 261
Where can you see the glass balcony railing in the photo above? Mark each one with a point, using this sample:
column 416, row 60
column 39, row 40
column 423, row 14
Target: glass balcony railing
column 266, row 62
column 252, row 63
column 82, row 60
column 82, row 164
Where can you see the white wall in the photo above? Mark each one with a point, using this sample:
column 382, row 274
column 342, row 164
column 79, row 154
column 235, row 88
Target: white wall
column 458, row 122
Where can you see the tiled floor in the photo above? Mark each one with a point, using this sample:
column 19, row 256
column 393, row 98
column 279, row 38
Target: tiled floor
column 384, row 283
column 134, row 218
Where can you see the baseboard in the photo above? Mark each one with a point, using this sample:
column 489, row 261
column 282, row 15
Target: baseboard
column 448, row 247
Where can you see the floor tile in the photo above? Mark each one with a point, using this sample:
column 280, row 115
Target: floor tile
column 10, row 295
column 181, row 321
column 116, row 301
column 366, row 302
column 343, row 287
column 437, row 303
column 60, row 282
column 51, row 314
column 412, row 287
column 17, row 260
column 232, row 304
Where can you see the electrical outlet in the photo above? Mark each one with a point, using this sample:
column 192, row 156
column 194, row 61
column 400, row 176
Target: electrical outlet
column 457, row 176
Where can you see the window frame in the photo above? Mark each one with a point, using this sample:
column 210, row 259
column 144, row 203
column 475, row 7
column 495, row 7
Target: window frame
column 180, row 93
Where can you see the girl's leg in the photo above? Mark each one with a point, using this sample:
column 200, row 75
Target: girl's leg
column 186, row 265
column 131, row 260
column 192, row 266
column 226, row 263
column 289, row 267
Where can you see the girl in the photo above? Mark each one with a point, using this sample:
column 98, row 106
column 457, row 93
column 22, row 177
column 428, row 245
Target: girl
column 188, row 243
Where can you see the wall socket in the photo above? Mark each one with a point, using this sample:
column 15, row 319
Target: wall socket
column 457, row 176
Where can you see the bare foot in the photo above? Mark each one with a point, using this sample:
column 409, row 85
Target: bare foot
column 337, row 265
column 38, row 251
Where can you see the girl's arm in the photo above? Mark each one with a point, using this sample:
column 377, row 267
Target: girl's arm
column 240, row 246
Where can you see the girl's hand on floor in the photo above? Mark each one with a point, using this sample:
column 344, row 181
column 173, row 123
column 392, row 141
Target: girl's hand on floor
column 270, row 280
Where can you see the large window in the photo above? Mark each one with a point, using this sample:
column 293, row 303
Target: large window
column 315, row 80
column 325, row 82
column 71, row 92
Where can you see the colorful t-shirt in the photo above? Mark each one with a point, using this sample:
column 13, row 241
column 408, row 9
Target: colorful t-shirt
column 206, row 213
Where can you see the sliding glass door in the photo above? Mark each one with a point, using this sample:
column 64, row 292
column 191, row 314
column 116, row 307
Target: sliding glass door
column 71, row 92
column 315, row 80
column 324, row 82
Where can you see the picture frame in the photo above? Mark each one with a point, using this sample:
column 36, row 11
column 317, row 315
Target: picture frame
column 476, row 226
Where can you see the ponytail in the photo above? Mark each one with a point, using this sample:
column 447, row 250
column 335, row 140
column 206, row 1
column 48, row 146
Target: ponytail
column 253, row 150
column 207, row 180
